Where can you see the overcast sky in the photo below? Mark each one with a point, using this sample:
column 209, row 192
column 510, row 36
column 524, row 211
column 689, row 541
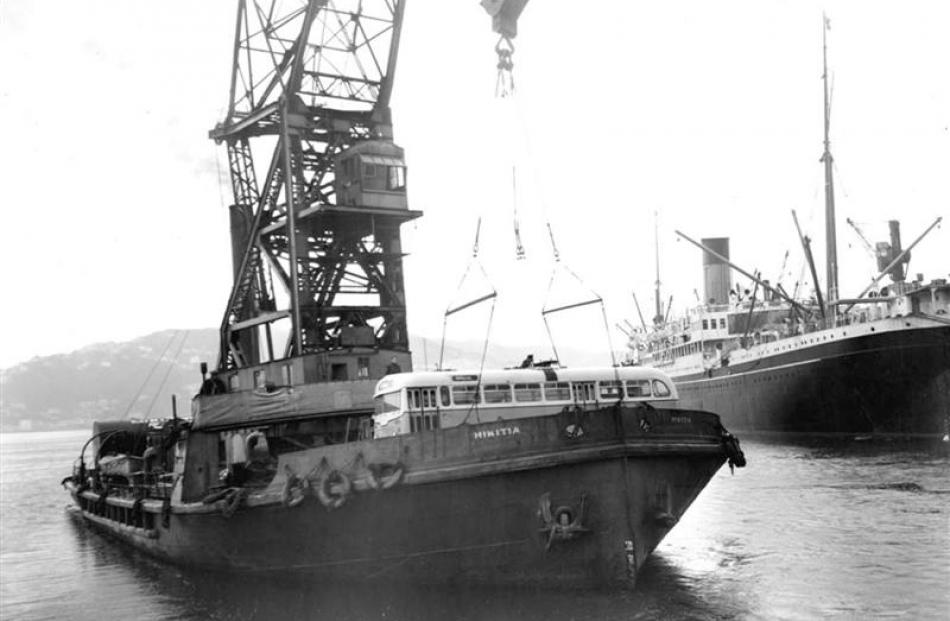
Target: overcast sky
column 114, row 220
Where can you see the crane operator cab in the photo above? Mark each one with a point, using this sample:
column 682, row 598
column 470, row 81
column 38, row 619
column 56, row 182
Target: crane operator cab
column 371, row 173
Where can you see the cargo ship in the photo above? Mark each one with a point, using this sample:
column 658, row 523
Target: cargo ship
column 312, row 447
column 768, row 365
column 877, row 363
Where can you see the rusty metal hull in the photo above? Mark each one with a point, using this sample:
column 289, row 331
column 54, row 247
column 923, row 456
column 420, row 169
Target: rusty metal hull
column 487, row 519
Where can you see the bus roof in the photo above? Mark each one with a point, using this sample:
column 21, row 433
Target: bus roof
column 396, row 381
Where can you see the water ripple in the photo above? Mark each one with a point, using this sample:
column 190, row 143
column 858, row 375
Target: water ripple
column 808, row 530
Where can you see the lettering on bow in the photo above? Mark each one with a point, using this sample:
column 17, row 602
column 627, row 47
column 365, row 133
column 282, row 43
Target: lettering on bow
column 495, row 433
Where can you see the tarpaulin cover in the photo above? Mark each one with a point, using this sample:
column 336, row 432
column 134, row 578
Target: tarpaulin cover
column 260, row 406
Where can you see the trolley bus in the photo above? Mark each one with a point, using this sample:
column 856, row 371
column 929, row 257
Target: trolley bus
column 418, row 401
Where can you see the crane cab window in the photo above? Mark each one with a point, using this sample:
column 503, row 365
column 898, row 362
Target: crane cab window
column 397, row 178
column 369, row 171
column 445, row 396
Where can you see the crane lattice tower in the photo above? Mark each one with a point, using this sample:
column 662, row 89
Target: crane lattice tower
column 319, row 186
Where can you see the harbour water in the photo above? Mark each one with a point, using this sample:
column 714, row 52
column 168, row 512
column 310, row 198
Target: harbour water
column 812, row 528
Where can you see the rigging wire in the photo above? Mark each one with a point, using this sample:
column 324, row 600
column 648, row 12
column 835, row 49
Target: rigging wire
column 167, row 372
column 781, row 271
column 158, row 361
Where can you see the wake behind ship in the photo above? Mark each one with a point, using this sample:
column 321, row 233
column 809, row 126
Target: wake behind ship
column 312, row 447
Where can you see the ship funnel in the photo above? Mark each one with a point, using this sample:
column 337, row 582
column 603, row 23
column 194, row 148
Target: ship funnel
column 897, row 274
column 887, row 252
column 717, row 278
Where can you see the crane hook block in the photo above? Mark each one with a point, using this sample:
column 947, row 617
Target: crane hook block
column 504, row 14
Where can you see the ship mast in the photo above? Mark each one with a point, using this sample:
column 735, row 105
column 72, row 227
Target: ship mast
column 831, row 256
column 658, row 318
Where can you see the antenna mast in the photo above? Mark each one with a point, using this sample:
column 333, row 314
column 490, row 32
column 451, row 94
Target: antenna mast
column 831, row 284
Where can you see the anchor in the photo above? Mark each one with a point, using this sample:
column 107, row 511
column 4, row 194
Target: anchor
column 564, row 523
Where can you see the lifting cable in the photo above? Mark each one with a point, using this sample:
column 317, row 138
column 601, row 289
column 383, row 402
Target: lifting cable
column 451, row 310
column 514, row 117
column 505, row 89
column 545, row 311
column 519, row 247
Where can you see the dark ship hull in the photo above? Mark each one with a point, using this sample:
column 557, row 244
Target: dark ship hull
column 895, row 382
column 574, row 498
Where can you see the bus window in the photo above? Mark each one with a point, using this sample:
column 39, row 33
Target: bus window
column 445, row 396
column 583, row 391
column 527, row 392
column 497, row 393
column 660, row 389
column 557, row 391
column 390, row 402
column 612, row 389
column 638, row 388
column 464, row 395
column 420, row 398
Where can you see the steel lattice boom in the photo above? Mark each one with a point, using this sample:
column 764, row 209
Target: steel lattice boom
column 319, row 187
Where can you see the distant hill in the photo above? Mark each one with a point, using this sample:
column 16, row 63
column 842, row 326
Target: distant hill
column 137, row 378
column 106, row 380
